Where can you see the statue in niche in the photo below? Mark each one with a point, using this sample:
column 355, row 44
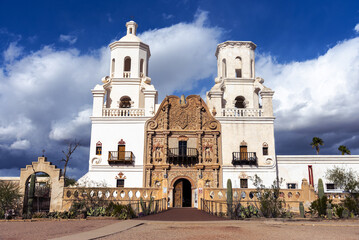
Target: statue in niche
column 157, row 150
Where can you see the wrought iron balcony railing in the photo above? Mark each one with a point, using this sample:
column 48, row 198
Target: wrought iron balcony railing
column 183, row 155
column 244, row 158
column 126, row 157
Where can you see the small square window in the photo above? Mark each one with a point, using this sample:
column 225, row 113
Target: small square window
column 120, row 183
column 98, row 150
column 265, row 150
column 291, row 185
column 330, row 186
column 244, row 183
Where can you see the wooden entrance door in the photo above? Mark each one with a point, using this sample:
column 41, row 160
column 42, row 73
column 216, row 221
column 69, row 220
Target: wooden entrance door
column 121, row 152
column 178, row 194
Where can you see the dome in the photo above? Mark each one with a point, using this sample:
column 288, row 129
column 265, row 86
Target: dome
column 131, row 33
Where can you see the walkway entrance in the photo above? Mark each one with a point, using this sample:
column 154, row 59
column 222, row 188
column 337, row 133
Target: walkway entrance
column 182, row 193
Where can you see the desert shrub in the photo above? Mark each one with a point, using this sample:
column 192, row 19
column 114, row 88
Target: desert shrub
column 96, row 212
column 348, row 180
column 9, row 197
column 241, row 212
column 78, row 209
column 319, row 206
column 120, row 211
column 271, row 206
column 39, row 215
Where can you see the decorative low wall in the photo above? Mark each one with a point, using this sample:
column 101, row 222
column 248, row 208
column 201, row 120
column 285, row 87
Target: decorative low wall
column 119, row 195
column 292, row 197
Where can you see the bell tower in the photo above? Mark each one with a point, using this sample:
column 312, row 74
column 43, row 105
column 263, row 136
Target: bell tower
column 243, row 106
column 128, row 85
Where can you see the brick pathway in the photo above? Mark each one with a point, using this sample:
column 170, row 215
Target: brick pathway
column 182, row 214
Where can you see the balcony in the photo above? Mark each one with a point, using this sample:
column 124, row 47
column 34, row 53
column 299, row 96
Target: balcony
column 244, row 158
column 241, row 112
column 123, row 112
column 184, row 156
column 126, row 157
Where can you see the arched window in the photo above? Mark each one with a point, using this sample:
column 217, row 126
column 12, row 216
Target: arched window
column 224, row 68
column 125, row 102
column 113, row 67
column 239, row 102
column 238, row 67
column 98, row 148
column 141, row 68
column 265, row 149
column 127, row 67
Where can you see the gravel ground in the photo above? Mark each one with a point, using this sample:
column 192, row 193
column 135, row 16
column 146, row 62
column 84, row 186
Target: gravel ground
column 207, row 230
column 48, row 229
column 242, row 230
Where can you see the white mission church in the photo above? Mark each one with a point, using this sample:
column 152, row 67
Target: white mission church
column 137, row 142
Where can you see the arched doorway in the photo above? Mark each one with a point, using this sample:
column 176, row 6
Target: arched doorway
column 40, row 195
column 182, row 193
column 56, row 181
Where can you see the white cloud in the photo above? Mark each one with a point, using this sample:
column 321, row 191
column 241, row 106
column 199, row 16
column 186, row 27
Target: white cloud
column 20, row 145
column 68, row 38
column 40, row 93
column 67, row 130
column 12, row 52
column 45, row 94
column 182, row 54
column 319, row 92
column 356, row 28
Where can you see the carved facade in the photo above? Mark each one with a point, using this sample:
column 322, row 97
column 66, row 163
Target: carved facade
column 182, row 140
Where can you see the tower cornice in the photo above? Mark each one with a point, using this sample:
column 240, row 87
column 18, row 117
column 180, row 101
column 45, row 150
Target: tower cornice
column 247, row 44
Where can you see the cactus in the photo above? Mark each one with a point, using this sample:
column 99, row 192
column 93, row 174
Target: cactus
column 329, row 211
column 345, row 213
column 320, row 188
column 30, row 195
column 229, row 198
column 301, row 209
column 146, row 210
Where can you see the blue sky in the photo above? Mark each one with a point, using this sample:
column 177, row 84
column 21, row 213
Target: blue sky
column 53, row 52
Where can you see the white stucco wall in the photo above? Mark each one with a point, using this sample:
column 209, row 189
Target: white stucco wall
column 254, row 131
column 293, row 168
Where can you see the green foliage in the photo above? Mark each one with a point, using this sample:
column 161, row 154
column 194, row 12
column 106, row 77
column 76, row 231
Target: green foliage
column 319, row 207
column 96, row 212
column 349, row 181
column 39, row 215
column 9, row 197
column 241, row 212
column 271, row 206
column 70, row 181
column 301, row 210
column 229, row 198
column 146, row 210
column 31, row 192
column 329, row 211
column 345, row 213
column 316, row 143
column 120, row 211
column 320, row 188
column 344, row 150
